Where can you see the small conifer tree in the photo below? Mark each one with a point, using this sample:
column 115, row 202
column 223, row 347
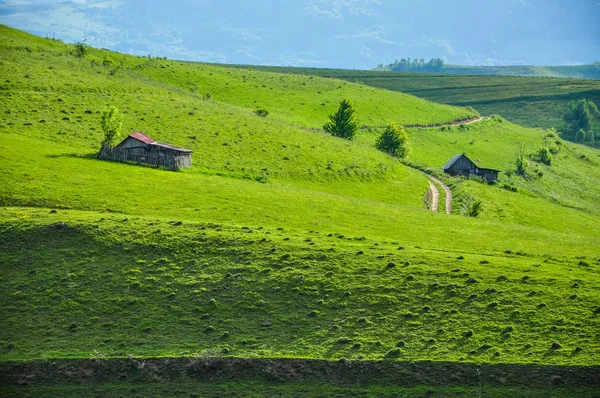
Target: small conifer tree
column 343, row 123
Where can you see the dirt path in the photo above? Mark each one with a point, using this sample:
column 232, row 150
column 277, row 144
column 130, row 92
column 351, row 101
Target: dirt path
column 435, row 192
column 433, row 125
column 435, row 195
column 448, row 193
column 454, row 123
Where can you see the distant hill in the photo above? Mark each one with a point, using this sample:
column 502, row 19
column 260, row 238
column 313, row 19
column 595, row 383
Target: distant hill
column 590, row 71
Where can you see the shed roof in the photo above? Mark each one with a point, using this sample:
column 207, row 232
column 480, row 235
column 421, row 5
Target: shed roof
column 460, row 155
column 453, row 160
column 138, row 135
column 171, row 147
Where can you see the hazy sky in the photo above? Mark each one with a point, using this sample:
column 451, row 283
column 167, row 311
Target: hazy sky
column 324, row 33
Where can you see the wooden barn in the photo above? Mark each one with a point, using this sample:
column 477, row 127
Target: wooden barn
column 141, row 149
column 461, row 165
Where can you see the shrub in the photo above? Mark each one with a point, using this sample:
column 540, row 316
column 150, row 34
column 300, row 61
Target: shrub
column 474, row 208
column 393, row 353
column 81, row 49
column 543, row 155
column 394, row 141
column 555, row 148
column 508, row 329
column 262, row 112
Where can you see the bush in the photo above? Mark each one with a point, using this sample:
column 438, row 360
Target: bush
column 393, row 353
column 543, row 155
column 81, row 49
column 472, row 207
column 394, row 141
column 262, row 112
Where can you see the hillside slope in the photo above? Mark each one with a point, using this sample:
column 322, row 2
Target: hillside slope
column 528, row 101
column 281, row 241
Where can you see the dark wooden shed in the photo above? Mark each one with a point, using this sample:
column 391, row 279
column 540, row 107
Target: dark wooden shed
column 461, row 165
column 141, row 149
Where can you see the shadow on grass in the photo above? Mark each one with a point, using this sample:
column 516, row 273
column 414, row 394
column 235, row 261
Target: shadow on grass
column 73, row 156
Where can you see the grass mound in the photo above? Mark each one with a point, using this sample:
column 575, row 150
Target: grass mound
column 80, row 284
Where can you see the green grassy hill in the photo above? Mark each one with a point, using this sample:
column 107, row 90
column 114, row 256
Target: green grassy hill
column 281, row 241
column 528, row 101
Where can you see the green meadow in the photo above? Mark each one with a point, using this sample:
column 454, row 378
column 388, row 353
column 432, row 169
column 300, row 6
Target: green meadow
column 531, row 101
column 281, row 241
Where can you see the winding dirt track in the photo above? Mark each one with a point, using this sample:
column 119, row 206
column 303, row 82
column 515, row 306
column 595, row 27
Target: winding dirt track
column 435, row 195
column 448, row 194
column 454, row 123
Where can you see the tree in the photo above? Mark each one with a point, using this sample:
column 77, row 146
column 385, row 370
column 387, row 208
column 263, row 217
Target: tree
column 111, row 122
column 591, row 137
column 343, row 123
column 81, row 48
column 579, row 116
column 521, row 163
column 394, row 141
column 580, row 136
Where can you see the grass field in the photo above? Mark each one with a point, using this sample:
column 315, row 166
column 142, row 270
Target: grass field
column 281, row 241
column 528, row 101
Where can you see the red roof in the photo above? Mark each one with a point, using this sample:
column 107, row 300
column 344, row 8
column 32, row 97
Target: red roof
column 142, row 137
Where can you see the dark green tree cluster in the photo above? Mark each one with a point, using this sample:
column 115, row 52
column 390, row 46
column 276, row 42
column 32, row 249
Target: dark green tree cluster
column 343, row 123
column 415, row 65
column 581, row 119
column 394, row 141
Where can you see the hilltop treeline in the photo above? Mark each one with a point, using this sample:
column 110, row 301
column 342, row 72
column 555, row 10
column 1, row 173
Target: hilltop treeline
column 414, row 65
